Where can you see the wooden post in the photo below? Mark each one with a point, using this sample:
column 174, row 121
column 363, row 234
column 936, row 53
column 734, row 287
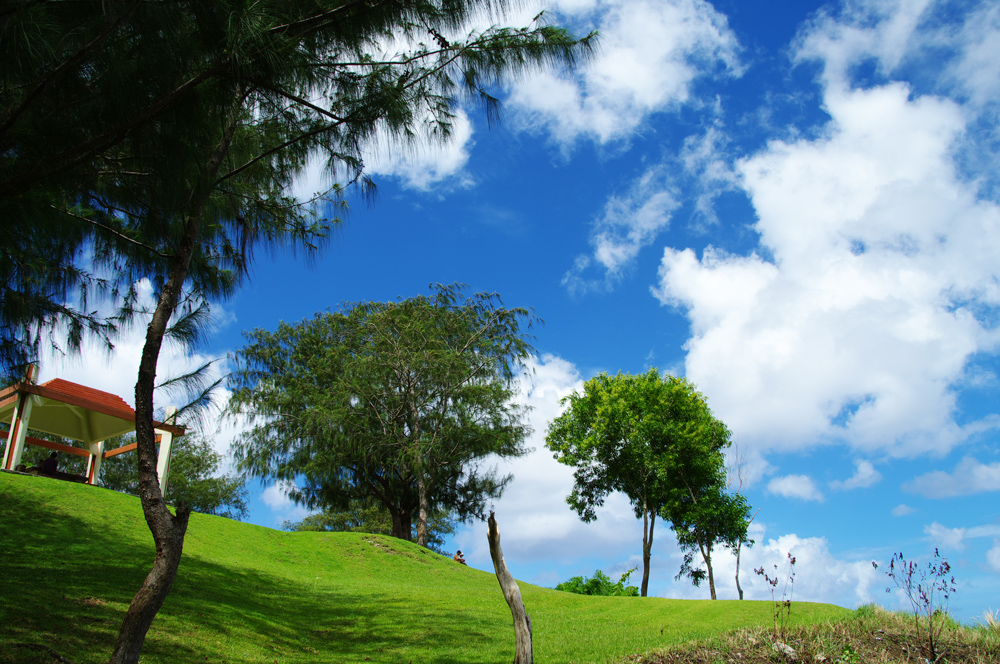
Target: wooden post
column 511, row 593
column 19, row 422
column 166, row 440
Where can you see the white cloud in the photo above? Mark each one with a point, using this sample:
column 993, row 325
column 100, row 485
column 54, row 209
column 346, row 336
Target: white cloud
column 969, row 477
column 946, row 538
column 820, row 576
column 282, row 507
column 861, row 323
column 428, row 161
column 795, row 486
column 650, row 53
column 628, row 224
column 865, row 475
column 902, row 510
column 979, row 45
column 632, row 221
column 993, row 556
column 882, row 30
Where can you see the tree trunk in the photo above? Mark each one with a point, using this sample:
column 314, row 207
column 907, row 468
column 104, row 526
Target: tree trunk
column 167, row 530
column 706, row 554
column 739, row 588
column 422, row 514
column 739, row 546
column 522, row 621
column 406, row 524
column 711, row 576
column 397, row 523
column 648, row 521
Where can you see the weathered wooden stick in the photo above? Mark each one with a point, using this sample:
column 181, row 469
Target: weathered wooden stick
column 511, row 593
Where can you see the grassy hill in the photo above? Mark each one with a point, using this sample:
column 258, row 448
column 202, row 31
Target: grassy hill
column 72, row 556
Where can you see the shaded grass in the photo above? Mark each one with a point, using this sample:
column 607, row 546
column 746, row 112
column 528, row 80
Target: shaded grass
column 72, row 556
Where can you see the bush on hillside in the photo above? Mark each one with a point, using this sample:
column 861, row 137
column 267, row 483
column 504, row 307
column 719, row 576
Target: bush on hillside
column 600, row 584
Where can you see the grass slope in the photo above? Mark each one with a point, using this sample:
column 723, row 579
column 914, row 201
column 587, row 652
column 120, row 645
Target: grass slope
column 72, row 556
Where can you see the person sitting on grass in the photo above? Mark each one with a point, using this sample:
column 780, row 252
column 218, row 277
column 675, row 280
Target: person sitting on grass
column 458, row 557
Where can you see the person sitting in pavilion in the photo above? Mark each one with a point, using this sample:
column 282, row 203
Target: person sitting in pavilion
column 50, row 466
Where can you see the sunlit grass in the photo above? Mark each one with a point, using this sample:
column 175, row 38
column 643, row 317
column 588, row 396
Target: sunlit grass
column 72, row 556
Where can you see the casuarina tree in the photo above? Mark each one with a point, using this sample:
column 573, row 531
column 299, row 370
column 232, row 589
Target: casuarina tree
column 402, row 402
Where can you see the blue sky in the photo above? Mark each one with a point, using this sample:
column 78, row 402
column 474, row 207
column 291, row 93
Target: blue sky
column 794, row 204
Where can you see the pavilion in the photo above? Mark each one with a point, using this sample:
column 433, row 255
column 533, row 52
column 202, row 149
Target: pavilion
column 77, row 412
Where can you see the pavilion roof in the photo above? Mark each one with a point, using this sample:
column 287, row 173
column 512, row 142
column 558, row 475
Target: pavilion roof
column 70, row 410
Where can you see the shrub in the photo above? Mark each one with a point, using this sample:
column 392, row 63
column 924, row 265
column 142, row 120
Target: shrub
column 600, row 584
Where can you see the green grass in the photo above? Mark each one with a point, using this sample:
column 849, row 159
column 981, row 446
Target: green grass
column 72, row 556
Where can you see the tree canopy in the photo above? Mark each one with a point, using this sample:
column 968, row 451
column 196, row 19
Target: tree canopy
column 642, row 435
column 702, row 518
column 125, row 124
column 396, row 401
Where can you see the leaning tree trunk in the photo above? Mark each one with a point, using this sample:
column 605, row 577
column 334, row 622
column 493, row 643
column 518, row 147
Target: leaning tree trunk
column 711, row 576
column 168, row 530
column 522, row 621
column 648, row 521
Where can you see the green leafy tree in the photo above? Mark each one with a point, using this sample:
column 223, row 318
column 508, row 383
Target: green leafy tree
column 146, row 140
column 600, row 584
column 703, row 518
column 194, row 480
column 397, row 401
column 642, row 435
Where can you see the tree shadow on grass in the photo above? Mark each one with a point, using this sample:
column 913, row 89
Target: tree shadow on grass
column 67, row 583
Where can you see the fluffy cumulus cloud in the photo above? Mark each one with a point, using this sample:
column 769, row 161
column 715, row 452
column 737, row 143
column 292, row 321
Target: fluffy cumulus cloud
column 800, row 487
column 879, row 30
column 969, row 477
column 820, row 575
column 857, row 318
column 650, row 53
column 865, row 475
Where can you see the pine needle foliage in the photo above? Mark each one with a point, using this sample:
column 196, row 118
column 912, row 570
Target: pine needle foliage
column 121, row 119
